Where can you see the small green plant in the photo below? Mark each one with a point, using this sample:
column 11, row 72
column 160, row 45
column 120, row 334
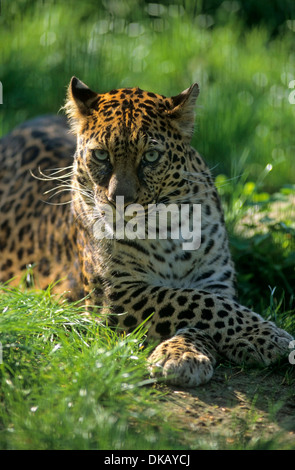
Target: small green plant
column 262, row 236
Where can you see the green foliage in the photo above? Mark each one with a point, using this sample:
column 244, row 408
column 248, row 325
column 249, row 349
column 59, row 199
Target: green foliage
column 262, row 237
column 244, row 74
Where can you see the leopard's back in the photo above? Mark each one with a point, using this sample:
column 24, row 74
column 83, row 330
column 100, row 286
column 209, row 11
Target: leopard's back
column 34, row 216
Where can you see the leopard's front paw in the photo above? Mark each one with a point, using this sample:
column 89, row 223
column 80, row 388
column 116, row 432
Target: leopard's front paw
column 181, row 363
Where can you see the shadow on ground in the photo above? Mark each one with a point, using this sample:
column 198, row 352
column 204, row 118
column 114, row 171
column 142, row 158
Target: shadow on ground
column 242, row 408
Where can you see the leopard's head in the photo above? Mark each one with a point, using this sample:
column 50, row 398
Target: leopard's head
column 130, row 142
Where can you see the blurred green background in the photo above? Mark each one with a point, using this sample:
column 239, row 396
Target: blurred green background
column 242, row 55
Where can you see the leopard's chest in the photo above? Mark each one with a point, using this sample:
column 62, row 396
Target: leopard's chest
column 157, row 262
column 186, row 260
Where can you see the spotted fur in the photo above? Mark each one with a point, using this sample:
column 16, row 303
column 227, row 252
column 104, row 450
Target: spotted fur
column 48, row 221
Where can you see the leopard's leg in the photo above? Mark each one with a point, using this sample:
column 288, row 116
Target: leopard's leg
column 235, row 331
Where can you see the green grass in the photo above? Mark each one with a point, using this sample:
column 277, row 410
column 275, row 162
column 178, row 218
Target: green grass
column 69, row 383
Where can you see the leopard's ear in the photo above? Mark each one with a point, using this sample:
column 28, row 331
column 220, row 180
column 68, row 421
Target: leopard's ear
column 182, row 112
column 80, row 102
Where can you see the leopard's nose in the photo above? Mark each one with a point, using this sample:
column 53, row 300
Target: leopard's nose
column 126, row 188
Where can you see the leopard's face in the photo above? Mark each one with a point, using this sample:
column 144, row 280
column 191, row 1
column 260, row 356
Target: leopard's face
column 131, row 143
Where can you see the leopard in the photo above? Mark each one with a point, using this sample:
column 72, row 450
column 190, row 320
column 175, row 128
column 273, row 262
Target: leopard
column 61, row 175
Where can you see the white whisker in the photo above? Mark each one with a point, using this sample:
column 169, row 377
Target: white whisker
column 54, row 172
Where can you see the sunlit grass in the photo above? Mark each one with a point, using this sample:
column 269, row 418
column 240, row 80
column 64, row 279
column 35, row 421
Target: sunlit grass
column 69, row 382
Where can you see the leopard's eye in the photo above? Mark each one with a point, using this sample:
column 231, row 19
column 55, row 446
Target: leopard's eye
column 151, row 156
column 101, row 154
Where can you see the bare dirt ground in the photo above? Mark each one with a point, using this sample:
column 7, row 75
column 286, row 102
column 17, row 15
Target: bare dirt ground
column 240, row 409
